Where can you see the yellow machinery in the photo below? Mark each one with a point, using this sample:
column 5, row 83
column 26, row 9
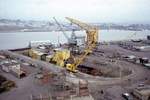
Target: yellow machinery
column 60, row 56
column 92, row 39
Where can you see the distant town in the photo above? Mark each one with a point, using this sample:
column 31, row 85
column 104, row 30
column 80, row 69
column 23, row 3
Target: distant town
column 7, row 25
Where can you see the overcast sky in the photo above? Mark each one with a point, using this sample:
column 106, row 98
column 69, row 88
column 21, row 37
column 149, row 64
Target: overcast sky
column 133, row 11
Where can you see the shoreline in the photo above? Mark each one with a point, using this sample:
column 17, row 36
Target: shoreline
column 102, row 42
column 68, row 30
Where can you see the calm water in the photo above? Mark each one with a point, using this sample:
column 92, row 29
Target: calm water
column 21, row 39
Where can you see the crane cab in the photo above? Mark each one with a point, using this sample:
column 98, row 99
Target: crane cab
column 71, row 68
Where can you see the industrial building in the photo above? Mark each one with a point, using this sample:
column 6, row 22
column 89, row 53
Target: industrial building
column 13, row 67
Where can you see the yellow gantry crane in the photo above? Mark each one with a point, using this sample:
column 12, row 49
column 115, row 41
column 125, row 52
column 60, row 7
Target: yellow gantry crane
column 92, row 39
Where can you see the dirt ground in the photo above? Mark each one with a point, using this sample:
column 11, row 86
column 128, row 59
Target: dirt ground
column 113, row 81
column 111, row 88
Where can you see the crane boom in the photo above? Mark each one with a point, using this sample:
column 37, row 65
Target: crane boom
column 81, row 24
column 92, row 39
column 61, row 28
column 71, row 40
column 91, row 31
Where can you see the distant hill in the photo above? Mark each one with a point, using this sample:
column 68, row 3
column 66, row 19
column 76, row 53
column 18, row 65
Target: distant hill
column 7, row 25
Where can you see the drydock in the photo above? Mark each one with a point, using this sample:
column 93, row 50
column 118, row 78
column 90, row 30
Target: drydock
column 109, row 70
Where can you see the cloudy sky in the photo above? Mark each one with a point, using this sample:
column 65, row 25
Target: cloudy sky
column 133, row 11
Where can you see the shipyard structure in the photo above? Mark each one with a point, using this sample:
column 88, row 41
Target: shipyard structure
column 81, row 69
